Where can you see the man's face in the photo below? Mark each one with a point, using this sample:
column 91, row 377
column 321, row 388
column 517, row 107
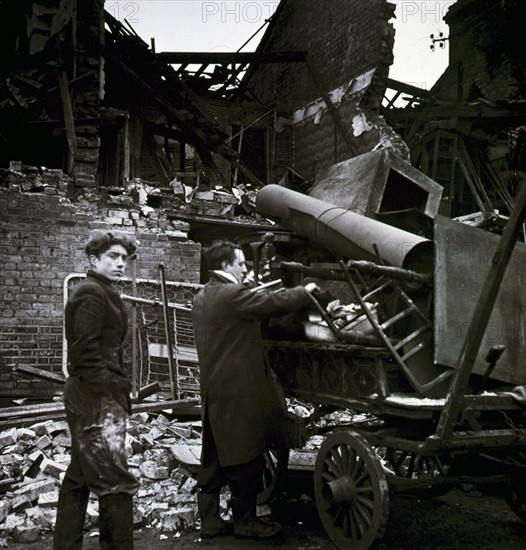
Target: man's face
column 238, row 267
column 111, row 263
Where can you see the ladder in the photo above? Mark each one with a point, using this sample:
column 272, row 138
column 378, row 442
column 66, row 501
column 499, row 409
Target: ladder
column 407, row 333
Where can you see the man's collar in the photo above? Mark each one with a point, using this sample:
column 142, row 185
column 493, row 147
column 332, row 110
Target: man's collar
column 225, row 275
column 99, row 277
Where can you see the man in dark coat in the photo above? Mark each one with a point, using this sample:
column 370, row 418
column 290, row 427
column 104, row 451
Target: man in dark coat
column 243, row 407
column 97, row 401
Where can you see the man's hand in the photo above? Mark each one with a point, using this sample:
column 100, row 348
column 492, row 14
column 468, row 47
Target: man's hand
column 312, row 287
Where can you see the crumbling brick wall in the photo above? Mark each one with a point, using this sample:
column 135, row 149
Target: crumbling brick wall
column 485, row 58
column 42, row 235
column 345, row 39
column 87, row 99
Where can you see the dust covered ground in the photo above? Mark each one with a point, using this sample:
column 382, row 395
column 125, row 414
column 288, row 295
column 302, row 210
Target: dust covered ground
column 462, row 519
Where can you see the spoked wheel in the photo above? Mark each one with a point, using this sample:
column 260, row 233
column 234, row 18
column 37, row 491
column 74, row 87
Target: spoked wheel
column 352, row 495
column 422, row 468
column 276, row 462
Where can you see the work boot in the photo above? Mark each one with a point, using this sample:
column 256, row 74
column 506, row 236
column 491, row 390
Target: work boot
column 256, row 529
column 246, row 522
column 116, row 522
column 71, row 515
column 211, row 523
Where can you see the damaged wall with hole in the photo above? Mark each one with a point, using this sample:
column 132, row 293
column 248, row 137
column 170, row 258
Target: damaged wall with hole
column 53, row 72
column 350, row 50
column 43, row 234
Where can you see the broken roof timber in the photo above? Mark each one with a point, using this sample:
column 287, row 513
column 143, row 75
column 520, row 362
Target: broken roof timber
column 407, row 88
column 207, row 136
column 224, row 58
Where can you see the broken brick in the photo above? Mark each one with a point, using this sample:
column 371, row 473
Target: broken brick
column 43, row 442
column 34, row 488
column 5, row 508
column 175, row 520
column 8, row 437
column 20, row 502
column 50, row 498
column 26, row 533
column 53, row 468
column 152, row 470
column 55, row 427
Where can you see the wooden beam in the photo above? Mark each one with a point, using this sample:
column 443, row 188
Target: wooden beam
column 31, row 414
column 226, row 58
column 187, row 121
column 78, row 122
column 126, row 145
column 42, row 374
column 68, row 119
column 407, row 88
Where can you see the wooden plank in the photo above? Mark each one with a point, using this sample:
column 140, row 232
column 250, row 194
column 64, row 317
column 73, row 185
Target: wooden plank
column 34, row 413
column 69, row 122
column 126, row 151
column 407, row 88
column 40, row 373
column 226, row 58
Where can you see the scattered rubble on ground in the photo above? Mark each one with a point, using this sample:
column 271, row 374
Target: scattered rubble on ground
column 34, row 459
column 162, row 453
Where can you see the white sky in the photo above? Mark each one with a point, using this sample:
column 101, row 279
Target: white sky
column 223, row 26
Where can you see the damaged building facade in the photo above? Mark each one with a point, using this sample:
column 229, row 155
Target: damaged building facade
column 101, row 131
column 467, row 131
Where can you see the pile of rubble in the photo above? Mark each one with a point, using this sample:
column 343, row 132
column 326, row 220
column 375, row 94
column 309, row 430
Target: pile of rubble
column 162, row 453
column 34, row 459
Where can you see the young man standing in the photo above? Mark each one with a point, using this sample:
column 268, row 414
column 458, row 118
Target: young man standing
column 243, row 407
column 97, row 401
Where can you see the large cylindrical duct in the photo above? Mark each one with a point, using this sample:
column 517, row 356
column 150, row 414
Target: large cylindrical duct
column 344, row 233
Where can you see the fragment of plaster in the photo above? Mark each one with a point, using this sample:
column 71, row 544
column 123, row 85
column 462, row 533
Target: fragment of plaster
column 360, row 125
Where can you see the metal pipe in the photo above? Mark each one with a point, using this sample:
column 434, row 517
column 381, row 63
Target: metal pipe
column 368, row 268
column 134, row 327
column 146, row 301
column 168, row 332
column 345, row 233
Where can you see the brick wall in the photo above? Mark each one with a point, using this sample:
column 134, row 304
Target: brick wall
column 42, row 237
column 344, row 39
column 87, row 99
column 485, row 60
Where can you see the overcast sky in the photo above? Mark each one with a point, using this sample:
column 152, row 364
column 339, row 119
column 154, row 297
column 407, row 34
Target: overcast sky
column 222, row 26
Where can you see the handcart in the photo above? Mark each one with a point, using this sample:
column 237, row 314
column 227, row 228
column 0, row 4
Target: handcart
column 429, row 429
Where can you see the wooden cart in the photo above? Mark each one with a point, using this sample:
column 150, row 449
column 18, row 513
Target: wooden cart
column 426, row 433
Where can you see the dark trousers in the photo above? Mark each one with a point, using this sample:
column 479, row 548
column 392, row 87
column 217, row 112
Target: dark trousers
column 244, row 480
column 98, row 464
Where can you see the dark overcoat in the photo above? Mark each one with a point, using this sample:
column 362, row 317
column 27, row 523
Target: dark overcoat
column 242, row 402
column 95, row 325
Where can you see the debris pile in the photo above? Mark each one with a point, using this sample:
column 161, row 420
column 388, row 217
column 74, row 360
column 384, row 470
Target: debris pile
column 162, row 453
column 33, row 461
column 32, row 179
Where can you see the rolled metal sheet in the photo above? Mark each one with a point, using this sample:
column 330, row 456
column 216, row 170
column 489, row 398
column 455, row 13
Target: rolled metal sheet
column 344, row 233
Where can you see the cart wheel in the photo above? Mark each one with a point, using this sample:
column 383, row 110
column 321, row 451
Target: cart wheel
column 276, row 462
column 352, row 495
column 516, row 496
column 413, row 466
